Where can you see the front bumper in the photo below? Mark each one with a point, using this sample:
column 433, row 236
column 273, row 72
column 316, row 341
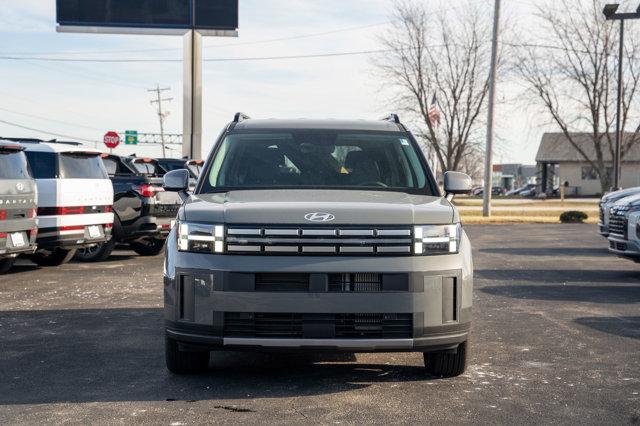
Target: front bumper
column 430, row 296
column 202, row 340
column 626, row 248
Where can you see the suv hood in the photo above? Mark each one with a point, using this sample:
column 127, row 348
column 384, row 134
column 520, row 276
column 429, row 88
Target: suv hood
column 291, row 206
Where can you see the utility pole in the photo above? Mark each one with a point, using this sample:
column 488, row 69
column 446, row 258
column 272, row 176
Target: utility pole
column 488, row 165
column 161, row 114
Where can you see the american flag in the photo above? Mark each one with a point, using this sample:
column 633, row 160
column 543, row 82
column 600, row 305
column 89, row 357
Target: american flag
column 434, row 113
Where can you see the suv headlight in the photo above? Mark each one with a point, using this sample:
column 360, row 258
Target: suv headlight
column 200, row 238
column 437, row 239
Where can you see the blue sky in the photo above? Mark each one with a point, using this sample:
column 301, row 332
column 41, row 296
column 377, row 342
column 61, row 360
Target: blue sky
column 85, row 100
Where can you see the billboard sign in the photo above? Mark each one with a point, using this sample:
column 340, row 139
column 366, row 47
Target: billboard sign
column 148, row 14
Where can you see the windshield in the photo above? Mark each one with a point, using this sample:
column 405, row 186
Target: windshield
column 81, row 166
column 13, row 165
column 316, row 159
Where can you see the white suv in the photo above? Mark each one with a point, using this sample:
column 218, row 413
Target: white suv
column 624, row 228
column 75, row 199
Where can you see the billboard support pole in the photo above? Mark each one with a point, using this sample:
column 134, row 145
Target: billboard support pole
column 192, row 95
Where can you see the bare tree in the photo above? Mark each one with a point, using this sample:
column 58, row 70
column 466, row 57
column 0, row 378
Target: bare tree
column 571, row 71
column 444, row 54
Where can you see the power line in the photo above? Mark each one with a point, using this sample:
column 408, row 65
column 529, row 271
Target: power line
column 247, row 43
column 50, row 119
column 46, row 132
column 255, row 58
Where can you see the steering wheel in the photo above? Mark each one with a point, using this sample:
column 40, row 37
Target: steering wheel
column 374, row 183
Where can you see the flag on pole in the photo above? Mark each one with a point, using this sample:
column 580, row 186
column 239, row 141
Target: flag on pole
column 434, row 113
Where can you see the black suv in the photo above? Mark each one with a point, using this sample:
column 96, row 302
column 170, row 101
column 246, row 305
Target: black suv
column 18, row 229
column 143, row 210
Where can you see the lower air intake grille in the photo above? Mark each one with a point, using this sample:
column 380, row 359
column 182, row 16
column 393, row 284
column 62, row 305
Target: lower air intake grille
column 355, row 282
column 282, row 282
column 344, row 326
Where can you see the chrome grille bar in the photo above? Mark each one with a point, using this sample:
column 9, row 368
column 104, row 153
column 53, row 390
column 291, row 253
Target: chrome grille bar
column 289, row 240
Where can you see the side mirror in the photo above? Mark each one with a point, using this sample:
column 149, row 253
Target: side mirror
column 457, row 183
column 177, row 181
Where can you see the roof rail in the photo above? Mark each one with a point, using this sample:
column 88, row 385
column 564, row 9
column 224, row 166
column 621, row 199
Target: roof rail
column 240, row 117
column 394, row 118
column 34, row 140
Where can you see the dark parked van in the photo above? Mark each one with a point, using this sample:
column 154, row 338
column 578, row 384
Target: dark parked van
column 18, row 205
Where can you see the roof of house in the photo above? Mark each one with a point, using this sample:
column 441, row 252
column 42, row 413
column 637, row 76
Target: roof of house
column 555, row 148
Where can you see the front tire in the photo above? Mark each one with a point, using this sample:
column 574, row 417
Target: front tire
column 6, row 264
column 184, row 362
column 55, row 257
column 444, row 364
column 98, row 253
column 151, row 247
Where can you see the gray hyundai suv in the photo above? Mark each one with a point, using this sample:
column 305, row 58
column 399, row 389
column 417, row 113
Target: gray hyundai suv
column 317, row 235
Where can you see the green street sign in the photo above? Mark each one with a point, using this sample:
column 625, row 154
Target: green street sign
column 131, row 137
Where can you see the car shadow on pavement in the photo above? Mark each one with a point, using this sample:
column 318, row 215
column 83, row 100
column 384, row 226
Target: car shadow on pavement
column 608, row 294
column 61, row 356
column 549, row 251
column 560, row 275
column 619, row 326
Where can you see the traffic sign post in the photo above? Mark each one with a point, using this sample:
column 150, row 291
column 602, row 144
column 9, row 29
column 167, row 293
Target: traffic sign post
column 131, row 137
column 111, row 140
column 192, row 19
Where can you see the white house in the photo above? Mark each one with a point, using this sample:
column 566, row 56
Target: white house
column 560, row 163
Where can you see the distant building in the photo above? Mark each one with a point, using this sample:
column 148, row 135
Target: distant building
column 512, row 176
column 559, row 162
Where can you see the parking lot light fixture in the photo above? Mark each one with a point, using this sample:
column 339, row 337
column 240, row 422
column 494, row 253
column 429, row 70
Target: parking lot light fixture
column 611, row 14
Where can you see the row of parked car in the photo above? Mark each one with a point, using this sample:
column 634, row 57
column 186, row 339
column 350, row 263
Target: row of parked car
column 528, row 191
column 59, row 200
column 620, row 222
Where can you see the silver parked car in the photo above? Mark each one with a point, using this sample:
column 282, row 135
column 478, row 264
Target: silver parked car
column 607, row 202
column 318, row 235
column 624, row 227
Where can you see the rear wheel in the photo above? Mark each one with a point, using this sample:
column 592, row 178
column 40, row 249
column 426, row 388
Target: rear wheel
column 55, row 257
column 445, row 364
column 150, row 247
column 184, row 362
column 6, row 264
column 98, row 253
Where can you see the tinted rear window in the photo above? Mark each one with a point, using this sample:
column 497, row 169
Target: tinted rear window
column 195, row 169
column 149, row 169
column 170, row 166
column 43, row 164
column 81, row 166
column 13, row 165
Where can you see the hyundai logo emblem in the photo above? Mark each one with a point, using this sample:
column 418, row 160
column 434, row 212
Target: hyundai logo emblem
column 319, row 217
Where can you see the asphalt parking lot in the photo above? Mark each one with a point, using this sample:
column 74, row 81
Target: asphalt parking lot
column 556, row 339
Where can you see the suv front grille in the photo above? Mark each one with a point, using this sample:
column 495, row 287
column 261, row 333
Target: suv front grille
column 295, row 325
column 319, row 241
column 618, row 223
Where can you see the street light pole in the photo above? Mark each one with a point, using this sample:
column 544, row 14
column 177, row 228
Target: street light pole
column 488, row 161
column 610, row 13
column 616, row 161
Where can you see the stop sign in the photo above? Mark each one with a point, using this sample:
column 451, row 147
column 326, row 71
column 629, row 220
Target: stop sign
column 111, row 139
